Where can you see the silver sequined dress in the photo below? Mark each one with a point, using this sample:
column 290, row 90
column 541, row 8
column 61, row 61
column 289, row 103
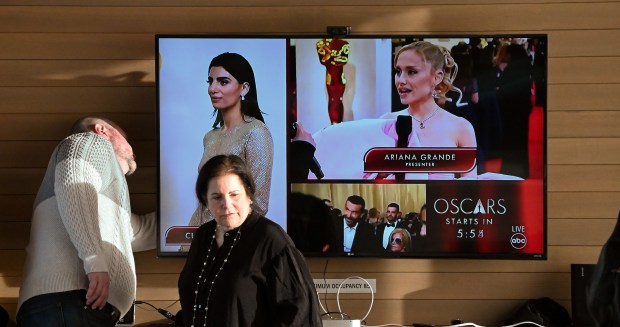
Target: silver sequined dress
column 252, row 142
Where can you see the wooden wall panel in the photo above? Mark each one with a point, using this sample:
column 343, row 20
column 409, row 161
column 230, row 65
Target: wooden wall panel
column 62, row 59
column 140, row 46
column 580, row 97
column 78, row 99
column 77, row 46
column 580, row 204
column 77, row 73
column 38, row 127
column 583, row 151
column 263, row 3
column 310, row 18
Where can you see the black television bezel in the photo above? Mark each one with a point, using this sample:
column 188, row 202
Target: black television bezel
column 288, row 36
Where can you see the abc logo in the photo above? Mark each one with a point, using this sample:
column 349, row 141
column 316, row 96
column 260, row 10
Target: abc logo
column 518, row 241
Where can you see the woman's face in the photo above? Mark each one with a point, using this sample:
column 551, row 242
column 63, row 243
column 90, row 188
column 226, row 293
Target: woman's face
column 228, row 200
column 414, row 78
column 397, row 243
column 224, row 90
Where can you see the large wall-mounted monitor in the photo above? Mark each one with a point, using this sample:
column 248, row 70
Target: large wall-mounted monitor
column 477, row 165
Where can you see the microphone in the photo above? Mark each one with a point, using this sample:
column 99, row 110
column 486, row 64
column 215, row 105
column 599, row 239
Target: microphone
column 403, row 129
column 315, row 167
column 404, row 125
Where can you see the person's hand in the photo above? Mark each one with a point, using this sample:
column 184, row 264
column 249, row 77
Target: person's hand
column 98, row 290
column 303, row 135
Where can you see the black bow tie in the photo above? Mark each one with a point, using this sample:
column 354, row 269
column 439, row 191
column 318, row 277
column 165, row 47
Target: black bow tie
column 391, row 224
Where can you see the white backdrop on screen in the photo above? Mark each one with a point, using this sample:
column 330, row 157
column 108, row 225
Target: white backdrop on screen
column 186, row 115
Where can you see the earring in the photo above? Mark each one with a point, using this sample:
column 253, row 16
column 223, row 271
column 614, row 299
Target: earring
column 242, row 97
column 434, row 94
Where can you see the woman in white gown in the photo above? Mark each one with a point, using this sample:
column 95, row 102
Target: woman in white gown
column 424, row 74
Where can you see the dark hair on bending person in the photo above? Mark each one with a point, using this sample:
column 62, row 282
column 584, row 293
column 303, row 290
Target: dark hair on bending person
column 241, row 70
column 219, row 166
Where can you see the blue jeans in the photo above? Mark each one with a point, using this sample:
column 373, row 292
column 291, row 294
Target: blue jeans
column 64, row 309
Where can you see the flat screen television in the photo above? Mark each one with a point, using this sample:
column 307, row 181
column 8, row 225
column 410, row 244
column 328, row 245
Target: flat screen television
column 467, row 180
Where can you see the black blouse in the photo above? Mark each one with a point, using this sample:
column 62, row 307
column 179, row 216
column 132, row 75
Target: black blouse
column 264, row 281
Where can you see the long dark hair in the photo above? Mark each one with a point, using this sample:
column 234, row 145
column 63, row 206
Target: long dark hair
column 241, row 70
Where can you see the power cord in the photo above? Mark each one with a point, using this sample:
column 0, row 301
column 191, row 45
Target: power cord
column 163, row 312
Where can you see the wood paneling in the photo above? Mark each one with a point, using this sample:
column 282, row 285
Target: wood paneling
column 140, row 46
column 583, row 97
column 591, row 178
column 310, row 18
column 38, row 127
column 583, row 151
column 63, row 59
column 580, row 204
column 77, row 99
column 77, row 46
column 264, row 3
column 77, row 73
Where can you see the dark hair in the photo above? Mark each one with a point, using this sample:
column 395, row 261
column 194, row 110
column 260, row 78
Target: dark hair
column 241, row 70
column 87, row 124
column 219, row 166
column 423, row 207
column 394, row 205
column 358, row 200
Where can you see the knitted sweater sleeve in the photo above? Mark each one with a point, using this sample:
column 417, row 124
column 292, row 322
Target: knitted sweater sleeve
column 83, row 165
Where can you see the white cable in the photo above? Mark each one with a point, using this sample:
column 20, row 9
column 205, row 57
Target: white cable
column 372, row 293
column 466, row 324
column 470, row 324
column 321, row 304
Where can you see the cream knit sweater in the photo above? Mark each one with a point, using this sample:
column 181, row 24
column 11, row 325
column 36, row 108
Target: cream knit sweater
column 82, row 223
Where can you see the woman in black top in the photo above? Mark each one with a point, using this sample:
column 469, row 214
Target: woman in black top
column 242, row 269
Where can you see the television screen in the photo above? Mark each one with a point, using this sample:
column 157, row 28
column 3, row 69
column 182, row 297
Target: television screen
column 355, row 160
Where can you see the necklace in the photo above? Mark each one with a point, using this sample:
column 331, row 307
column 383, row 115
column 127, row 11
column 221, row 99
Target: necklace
column 425, row 119
column 217, row 273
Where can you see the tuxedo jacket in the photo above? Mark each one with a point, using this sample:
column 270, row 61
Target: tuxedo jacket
column 381, row 229
column 363, row 242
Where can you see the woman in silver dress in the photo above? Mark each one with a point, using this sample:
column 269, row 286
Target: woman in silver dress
column 239, row 126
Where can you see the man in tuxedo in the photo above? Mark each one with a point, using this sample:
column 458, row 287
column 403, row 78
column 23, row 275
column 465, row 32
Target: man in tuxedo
column 391, row 222
column 353, row 234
